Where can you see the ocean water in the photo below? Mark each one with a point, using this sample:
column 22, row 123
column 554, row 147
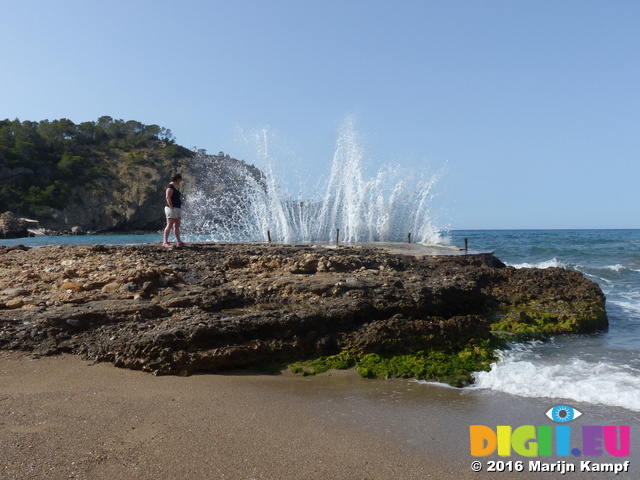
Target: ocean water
column 84, row 240
column 602, row 369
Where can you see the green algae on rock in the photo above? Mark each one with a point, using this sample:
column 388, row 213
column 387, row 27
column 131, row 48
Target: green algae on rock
column 447, row 366
column 573, row 307
column 542, row 320
column 454, row 368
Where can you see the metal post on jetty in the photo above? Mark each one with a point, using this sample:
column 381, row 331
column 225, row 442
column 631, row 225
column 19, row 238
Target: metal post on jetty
column 466, row 245
column 409, row 238
column 337, row 236
column 269, row 236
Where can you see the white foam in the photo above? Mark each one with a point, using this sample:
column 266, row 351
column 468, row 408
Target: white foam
column 591, row 382
column 434, row 384
column 604, row 270
column 357, row 207
column 631, row 306
column 615, row 268
column 554, row 262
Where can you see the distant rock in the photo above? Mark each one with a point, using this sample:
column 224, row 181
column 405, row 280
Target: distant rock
column 12, row 227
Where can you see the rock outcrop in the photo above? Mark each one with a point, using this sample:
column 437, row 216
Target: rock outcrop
column 12, row 227
column 217, row 307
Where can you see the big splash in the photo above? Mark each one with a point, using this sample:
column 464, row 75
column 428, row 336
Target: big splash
column 386, row 207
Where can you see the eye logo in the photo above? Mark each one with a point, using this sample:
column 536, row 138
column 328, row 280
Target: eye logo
column 563, row 413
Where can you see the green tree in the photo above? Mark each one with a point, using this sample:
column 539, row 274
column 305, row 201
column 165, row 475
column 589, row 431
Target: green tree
column 72, row 165
column 57, row 134
column 26, row 142
column 55, row 195
column 88, row 133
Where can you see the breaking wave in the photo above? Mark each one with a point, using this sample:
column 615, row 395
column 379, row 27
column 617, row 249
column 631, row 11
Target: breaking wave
column 521, row 371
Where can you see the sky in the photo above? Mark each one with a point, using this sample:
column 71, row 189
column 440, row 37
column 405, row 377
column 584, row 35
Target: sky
column 528, row 111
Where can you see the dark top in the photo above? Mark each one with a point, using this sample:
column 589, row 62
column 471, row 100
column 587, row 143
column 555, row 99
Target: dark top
column 175, row 198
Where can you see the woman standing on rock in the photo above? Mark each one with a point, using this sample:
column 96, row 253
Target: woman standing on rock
column 173, row 210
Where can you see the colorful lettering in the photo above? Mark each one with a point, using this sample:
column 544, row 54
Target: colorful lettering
column 483, row 440
column 563, row 440
column 611, row 441
column 531, row 441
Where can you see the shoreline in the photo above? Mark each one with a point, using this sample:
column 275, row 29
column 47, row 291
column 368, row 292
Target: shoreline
column 64, row 418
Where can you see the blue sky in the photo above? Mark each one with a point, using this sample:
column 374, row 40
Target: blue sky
column 529, row 109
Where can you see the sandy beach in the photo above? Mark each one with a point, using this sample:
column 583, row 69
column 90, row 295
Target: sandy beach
column 63, row 418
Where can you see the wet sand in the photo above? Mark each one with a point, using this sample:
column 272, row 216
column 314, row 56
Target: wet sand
column 62, row 418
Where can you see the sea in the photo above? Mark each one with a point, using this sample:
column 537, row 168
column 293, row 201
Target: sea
column 600, row 369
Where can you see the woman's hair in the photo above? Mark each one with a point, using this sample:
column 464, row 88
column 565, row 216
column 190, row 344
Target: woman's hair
column 176, row 177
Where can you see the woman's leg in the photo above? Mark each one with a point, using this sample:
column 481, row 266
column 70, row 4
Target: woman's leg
column 176, row 230
column 170, row 224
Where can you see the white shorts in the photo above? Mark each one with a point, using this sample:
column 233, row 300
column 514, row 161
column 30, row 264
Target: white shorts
column 175, row 213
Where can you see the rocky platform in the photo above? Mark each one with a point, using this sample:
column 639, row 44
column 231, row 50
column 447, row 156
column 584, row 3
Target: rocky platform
column 208, row 307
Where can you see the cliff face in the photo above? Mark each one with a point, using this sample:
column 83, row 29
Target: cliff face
column 217, row 307
column 104, row 176
column 130, row 194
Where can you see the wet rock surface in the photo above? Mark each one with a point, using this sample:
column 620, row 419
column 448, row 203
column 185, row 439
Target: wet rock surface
column 216, row 307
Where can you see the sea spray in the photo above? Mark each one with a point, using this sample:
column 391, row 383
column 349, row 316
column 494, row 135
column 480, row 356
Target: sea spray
column 255, row 206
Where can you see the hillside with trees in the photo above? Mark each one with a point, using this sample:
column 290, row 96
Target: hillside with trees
column 105, row 176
